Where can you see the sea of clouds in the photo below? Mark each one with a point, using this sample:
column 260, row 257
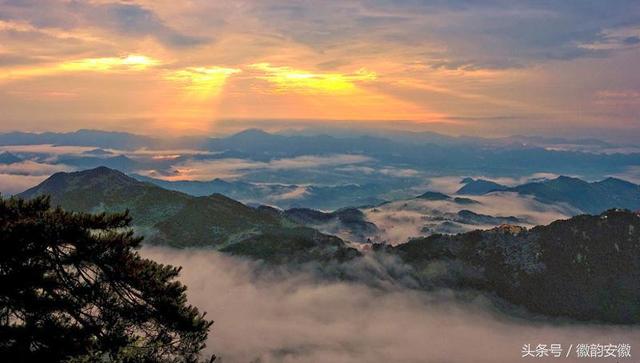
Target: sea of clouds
column 263, row 315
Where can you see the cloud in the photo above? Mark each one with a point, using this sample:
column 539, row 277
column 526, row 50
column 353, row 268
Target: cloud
column 131, row 62
column 133, row 19
column 310, row 161
column 451, row 184
column 404, row 219
column 232, row 168
column 202, row 81
column 15, row 183
column 618, row 38
column 297, row 193
column 127, row 19
column 631, row 174
column 456, row 34
column 268, row 316
column 319, row 60
column 46, row 149
column 632, row 40
column 385, row 170
column 33, row 168
column 618, row 97
column 17, row 177
column 287, row 79
column 17, row 59
column 444, row 184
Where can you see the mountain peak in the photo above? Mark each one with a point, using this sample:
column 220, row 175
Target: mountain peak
column 101, row 171
column 102, row 177
column 479, row 187
column 611, row 181
column 251, row 133
column 588, row 197
column 565, row 178
column 97, row 152
column 429, row 195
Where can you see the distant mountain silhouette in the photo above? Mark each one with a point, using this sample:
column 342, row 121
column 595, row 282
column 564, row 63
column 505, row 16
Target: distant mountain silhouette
column 119, row 162
column 463, row 201
column 97, row 152
column 327, row 197
column 351, row 220
column 420, row 151
column 433, row 196
column 479, row 187
column 589, row 197
column 585, row 268
column 8, row 158
column 469, row 217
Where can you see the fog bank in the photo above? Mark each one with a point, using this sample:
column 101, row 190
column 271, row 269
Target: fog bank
column 267, row 317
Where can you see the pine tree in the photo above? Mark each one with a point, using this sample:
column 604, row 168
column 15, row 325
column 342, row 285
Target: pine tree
column 73, row 288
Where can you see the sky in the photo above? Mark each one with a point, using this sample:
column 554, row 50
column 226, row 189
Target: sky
column 489, row 68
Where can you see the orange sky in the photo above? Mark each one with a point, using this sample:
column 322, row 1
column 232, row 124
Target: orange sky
column 153, row 66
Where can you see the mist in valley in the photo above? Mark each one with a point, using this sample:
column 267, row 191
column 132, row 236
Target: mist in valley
column 264, row 314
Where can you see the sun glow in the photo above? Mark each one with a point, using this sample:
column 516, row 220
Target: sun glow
column 196, row 98
column 202, row 82
column 131, row 62
column 289, row 79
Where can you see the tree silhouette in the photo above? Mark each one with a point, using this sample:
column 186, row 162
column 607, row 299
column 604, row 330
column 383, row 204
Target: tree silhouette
column 73, row 288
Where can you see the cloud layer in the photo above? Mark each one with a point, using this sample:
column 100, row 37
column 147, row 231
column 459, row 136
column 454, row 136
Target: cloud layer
column 232, row 168
column 17, row 177
column 279, row 317
column 491, row 67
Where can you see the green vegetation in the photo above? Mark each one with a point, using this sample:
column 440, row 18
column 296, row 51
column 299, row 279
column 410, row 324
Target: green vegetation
column 74, row 289
column 295, row 245
column 175, row 219
column 433, row 196
column 592, row 198
column 163, row 216
column 586, row 268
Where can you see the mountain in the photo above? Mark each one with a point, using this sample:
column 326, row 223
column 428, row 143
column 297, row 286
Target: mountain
column 466, row 216
column 455, row 155
column 427, row 152
column 293, row 246
column 176, row 219
column 97, row 152
column 585, row 268
column 436, row 196
column 119, row 162
column 433, row 196
column 106, row 139
column 8, row 158
column 100, row 139
column 234, row 189
column 589, row 197
column 479, row 187
column 326, row 197
column 465, row 201
column 173, row 218
column 348, row 222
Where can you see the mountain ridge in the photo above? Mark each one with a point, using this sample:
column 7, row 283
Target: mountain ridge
column 176, row 219
column 586, row 267
column 589, row 197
